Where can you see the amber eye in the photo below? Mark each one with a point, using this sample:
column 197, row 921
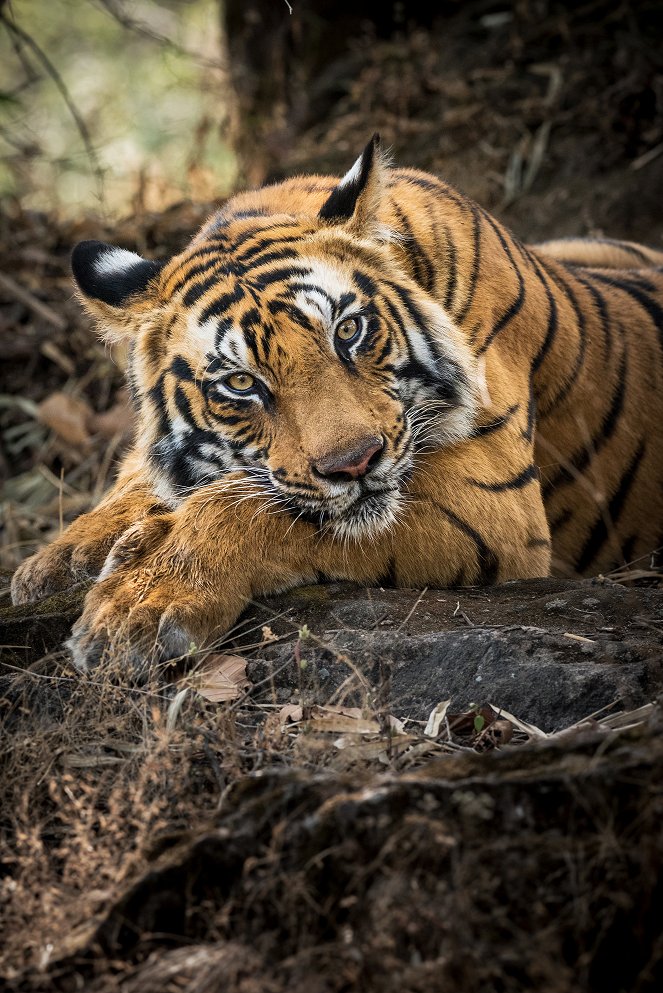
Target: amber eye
column 240, row 382
column 348, row 330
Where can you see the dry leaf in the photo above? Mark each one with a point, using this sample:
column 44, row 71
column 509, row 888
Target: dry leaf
column 335, row 719
column 118, row 420
column 67, row 417
column 220, row 678
column 530, row 729
column 498, row 733
column 435, row 718
column 268, row 634
column 356, row 748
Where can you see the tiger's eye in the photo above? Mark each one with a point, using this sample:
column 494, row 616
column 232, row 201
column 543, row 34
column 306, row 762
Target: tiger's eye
column 348, row 329
column 240, row 382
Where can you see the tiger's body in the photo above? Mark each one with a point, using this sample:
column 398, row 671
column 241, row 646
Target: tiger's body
column 368, row 380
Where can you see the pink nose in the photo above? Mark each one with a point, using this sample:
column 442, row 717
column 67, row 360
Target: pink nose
column 352, row 463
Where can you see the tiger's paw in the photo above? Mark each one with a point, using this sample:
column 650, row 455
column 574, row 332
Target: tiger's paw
column 57, row 567
column 131, row 639
column 142, row 613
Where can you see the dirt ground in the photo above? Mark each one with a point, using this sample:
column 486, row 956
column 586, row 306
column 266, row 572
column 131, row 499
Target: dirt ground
column 161, row 838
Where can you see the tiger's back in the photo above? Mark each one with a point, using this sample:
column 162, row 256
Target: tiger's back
column 589, row 327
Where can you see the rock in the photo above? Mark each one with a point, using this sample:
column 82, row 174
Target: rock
column 549, row 651
column 29, row 631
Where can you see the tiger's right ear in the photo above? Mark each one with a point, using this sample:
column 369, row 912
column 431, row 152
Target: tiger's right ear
column 114, row 284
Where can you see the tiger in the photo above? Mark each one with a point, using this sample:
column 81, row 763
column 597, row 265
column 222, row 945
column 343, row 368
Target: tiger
column 370, row 380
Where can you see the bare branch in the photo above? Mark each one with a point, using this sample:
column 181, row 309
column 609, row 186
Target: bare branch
column 23, row 40
column 116, row 11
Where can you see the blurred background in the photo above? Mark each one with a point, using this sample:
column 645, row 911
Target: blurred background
column 131, row 120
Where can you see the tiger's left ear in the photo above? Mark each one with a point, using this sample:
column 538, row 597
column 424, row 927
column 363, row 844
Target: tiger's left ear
column 355, row 202
column 114, row 284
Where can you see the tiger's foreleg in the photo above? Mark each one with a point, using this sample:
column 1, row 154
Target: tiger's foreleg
column 182, row 578
column 80, row 551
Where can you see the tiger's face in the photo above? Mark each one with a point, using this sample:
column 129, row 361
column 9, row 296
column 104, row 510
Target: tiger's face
column 296, row 353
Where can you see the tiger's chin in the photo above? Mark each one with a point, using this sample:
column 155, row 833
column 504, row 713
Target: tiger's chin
column 369, row 515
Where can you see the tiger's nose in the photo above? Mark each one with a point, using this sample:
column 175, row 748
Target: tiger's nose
column 352, row 463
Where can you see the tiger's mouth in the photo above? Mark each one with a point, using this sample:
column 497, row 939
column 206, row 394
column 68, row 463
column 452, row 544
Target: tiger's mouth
column 369, row 512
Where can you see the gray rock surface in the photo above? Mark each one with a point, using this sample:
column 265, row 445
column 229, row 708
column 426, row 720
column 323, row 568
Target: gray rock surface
column 549, row 651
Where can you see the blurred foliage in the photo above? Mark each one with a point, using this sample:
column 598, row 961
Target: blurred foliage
column 146, row 81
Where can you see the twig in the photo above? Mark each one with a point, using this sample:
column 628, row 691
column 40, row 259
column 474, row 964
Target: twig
column 31, row 301
column 412, row 610
column 647, row 157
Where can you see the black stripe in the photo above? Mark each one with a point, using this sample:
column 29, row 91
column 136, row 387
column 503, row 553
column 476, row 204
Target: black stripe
column 273, row 238
column 157, row 395
column 517, row 303
column 599, row 533
column 278, row 275
column 515, row 483
column 582, row 348
column 218, row 307
column 277, row 256
column 184, row 406
column 198, row 290
column 413, row 369
column 615, row 243
column 602, row 307
column 424, row 272
column 654, row 309
column 581, row 459
column 211, row 259
column 432, row 184
column 560, row 520
column 476, row 264
column 538, row 543
column 313, row 288
column 365, row 283
column 405, row 298
column 452, row 265
column 385, row 352
column 181, row 368
column 528, row 433
column 277, row 307
column 488, row 561
column 551, row 329
column 483, row 429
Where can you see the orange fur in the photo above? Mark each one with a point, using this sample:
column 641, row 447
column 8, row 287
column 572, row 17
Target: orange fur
column 554, row 422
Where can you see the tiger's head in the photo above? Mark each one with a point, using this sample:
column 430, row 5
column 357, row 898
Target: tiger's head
column 286, row 342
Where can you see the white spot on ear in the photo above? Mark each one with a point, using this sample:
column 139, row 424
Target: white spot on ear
column 353, row 174
column 116, row 260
